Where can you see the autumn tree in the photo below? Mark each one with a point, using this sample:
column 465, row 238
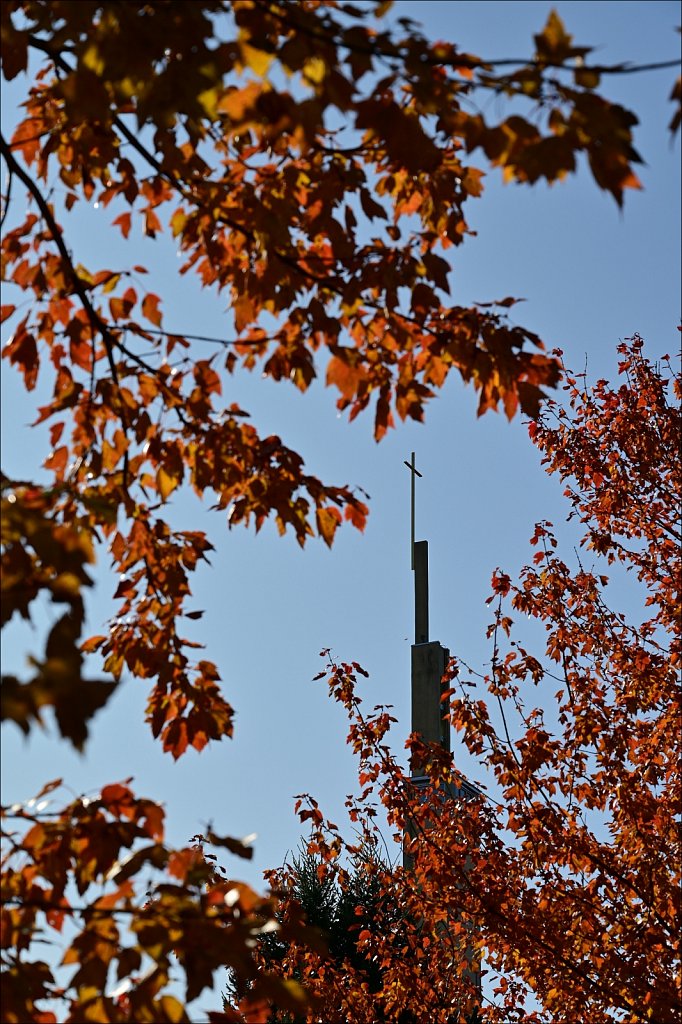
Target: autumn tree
column 312, row 166
column 563, row 873
column 339, row 903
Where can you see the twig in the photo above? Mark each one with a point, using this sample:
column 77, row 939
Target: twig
column 7, row 197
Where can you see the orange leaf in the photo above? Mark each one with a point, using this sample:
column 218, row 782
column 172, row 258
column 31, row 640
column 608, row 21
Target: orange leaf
column 150, row 309
column 152, row 224
column 344, row 376
column 244, row 312
column 357, row 514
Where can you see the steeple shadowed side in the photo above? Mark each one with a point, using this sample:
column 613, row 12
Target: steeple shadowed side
column 429, row 662
column 421, row 592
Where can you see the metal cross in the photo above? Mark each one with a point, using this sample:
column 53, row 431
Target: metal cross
column 414, row 472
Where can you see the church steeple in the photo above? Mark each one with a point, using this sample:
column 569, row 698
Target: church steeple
column 429, row 712
column 429, row 657
column 419, row 560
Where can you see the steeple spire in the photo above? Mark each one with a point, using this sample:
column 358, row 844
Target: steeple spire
column 419, row 560
column 415, row 473
column 429, row 658
column 429, row 712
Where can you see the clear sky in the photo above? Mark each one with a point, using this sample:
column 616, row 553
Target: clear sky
column 591, row 276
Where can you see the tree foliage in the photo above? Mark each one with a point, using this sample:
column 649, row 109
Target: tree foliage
column 563, row 871
column 313, row 168
column 339, row 903
column 73, row 870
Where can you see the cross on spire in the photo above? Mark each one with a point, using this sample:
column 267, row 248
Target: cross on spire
column 420, row 567
column 414, row 472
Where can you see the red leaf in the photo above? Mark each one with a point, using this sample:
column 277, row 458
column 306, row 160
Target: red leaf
column 123, row 222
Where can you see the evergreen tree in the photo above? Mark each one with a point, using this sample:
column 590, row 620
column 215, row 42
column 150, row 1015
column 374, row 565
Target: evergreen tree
column 338, row 903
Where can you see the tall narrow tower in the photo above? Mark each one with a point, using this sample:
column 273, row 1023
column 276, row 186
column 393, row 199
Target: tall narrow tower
column 429, row 657
column 429, row 711
column 429, row 661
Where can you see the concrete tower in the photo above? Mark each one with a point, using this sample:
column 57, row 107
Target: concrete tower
column 429, row 712
column 429, row 657
column 429, row 661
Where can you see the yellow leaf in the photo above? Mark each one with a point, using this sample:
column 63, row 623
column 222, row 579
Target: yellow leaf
column 95, row 1009
column 209, row 100
column 84, row 274
column 314, row 70
column 165, row 483
column 258, row 60
column 88, row 992
column 111, row 283
column 93, row 59
column 295, row 990
column 173, row 1009
column 328, row 520
column 348, row 308
column 128, row 87
column 178, row 221
column 67, row 583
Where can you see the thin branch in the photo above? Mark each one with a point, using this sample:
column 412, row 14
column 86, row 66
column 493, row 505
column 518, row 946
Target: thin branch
column 96, row 322
column 183, row 336
column 20, row 143
column 463, row 60
column 7, row 197
column 187, row 192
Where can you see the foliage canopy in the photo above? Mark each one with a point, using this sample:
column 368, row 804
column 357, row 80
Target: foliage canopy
column 563, row 872
column 314, row 168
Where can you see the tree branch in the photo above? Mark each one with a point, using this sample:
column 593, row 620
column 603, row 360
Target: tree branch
column 463, row 61
column 96, row 322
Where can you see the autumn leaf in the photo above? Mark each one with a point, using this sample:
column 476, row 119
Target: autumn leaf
column 243, row 312
column 165, row 483
column 150, row 309
column 122, row 222
column 344, row 374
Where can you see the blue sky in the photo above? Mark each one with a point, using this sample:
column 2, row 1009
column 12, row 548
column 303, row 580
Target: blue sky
column 591, row 276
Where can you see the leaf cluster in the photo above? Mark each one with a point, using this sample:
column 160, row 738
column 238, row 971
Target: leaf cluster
column 76, row 871
column 560, row 868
